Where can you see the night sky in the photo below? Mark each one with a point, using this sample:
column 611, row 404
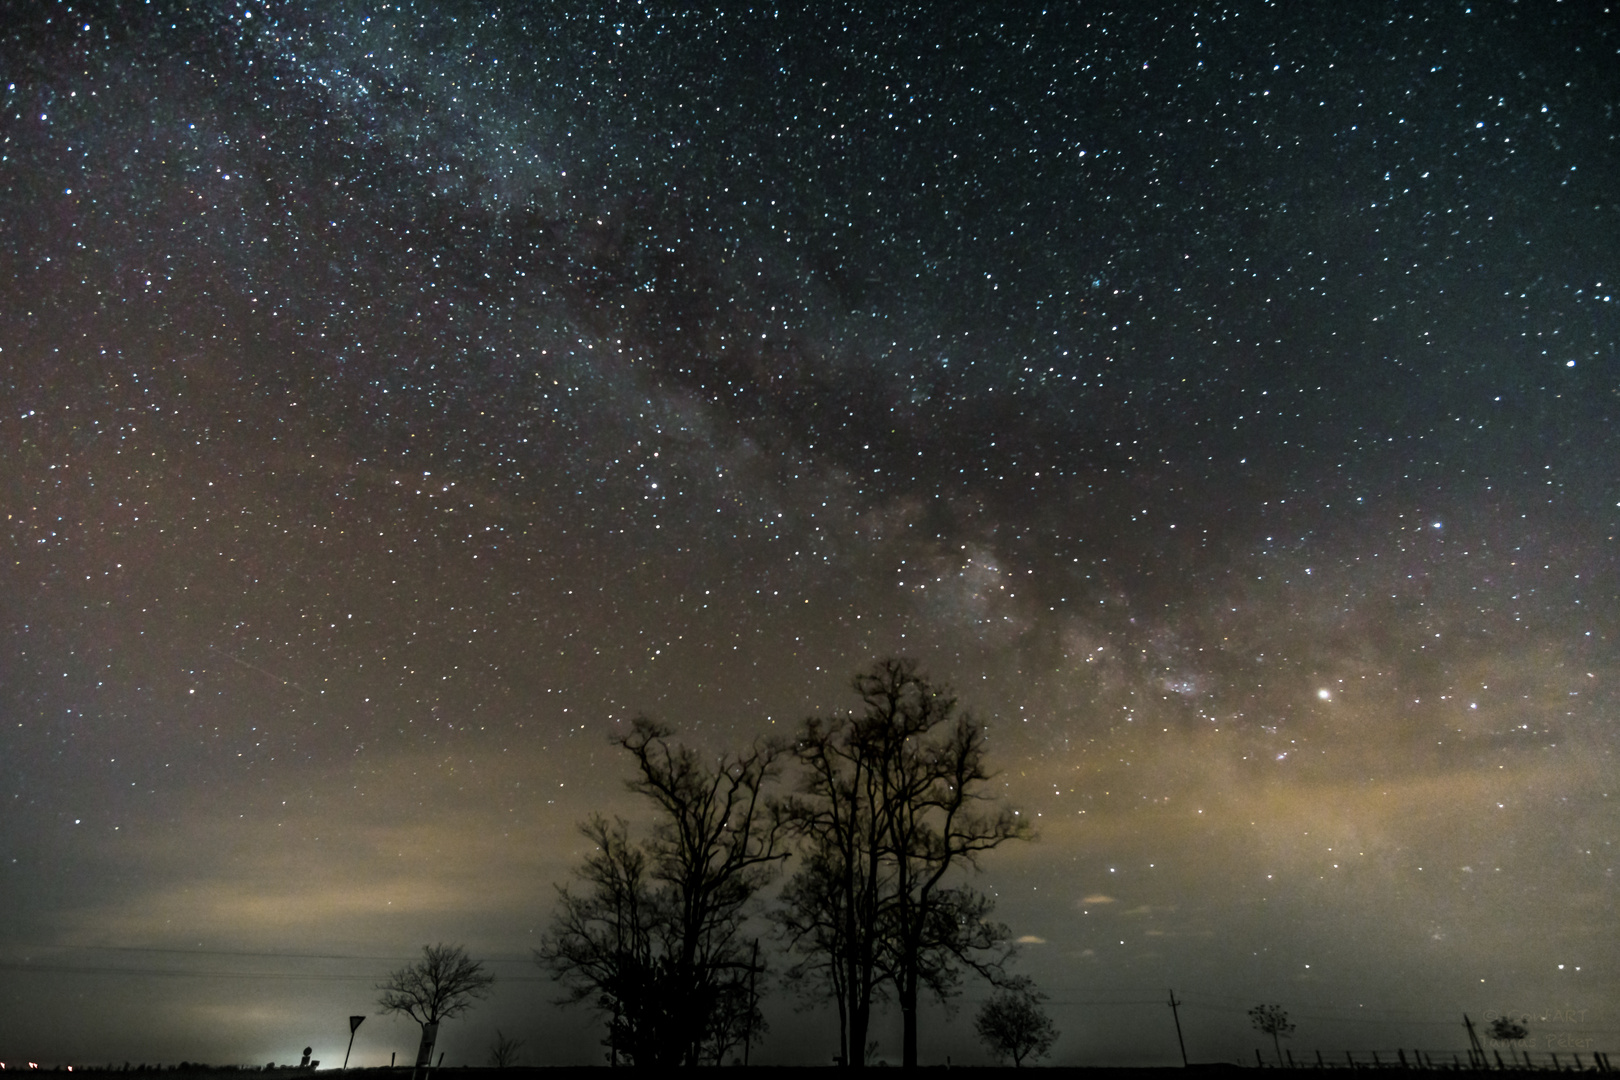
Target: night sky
column 399, row 398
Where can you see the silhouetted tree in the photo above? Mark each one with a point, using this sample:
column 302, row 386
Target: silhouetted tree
column 736, row 1019
column 503, row 1053
column 892, row 800
column 831, row 911
column 1273, row 1021
column 603, row 941
column 654, row 940
column 441, row 985
column 1012, row 1024
column 813, row 921
column 1508, row 1030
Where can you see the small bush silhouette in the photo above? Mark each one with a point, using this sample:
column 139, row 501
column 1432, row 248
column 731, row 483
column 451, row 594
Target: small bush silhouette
column 503, row 1053
column 1508, row 1030
column 1273, row 1021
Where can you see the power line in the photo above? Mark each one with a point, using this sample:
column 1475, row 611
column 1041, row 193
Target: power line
column 255, row 954
column 284, row 976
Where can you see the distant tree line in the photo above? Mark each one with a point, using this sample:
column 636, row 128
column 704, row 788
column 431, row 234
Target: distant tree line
column 888, row 803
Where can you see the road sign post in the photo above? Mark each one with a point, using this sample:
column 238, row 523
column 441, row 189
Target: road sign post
column 354, row 1025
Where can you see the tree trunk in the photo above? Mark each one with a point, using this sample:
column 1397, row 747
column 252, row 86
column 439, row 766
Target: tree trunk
column 843, row 1030
column 908, row 1019
column 858, row 989
column 860, row 1017
column 424, row 1050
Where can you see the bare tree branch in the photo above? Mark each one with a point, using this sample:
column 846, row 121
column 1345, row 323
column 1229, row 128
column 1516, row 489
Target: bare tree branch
column 893, row 802
column 654, row 939
column 441, row 985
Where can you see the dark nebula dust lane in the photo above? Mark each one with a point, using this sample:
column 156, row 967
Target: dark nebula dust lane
column 397, row 399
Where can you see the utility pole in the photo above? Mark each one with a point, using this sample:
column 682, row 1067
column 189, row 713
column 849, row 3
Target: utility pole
column 1179, row 1039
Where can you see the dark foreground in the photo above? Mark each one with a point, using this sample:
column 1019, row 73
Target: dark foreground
column 194, row 1072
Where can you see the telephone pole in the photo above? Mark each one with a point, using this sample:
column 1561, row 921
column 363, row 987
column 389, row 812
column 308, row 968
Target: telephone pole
column 1179, row 1039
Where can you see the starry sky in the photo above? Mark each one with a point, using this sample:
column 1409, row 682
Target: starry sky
column 399, row 398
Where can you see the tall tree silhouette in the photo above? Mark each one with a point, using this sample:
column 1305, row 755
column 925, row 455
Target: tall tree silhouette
column 654, row 940
column 813, row 918
column 605, row 942
column 892, row 801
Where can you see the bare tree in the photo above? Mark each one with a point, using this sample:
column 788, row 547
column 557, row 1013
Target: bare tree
column 1272, row 1020
column 736, row 1021
column 832, row 909
column 893, row 802
column 503, row 1053
column 813, row 921
column 603, row 942
column 1012, row 1024
column 957, row 933
column 441, row 985
column 1508, row 1030
column 655, row 941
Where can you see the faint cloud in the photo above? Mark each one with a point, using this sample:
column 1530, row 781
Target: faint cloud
column 1097, row 898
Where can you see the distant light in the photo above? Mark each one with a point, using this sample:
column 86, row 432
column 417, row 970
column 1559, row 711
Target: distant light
column 1569, row 363
column 1325, row 694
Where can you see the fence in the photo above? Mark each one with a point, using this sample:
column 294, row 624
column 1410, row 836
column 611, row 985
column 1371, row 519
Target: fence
column 1453, row 1060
